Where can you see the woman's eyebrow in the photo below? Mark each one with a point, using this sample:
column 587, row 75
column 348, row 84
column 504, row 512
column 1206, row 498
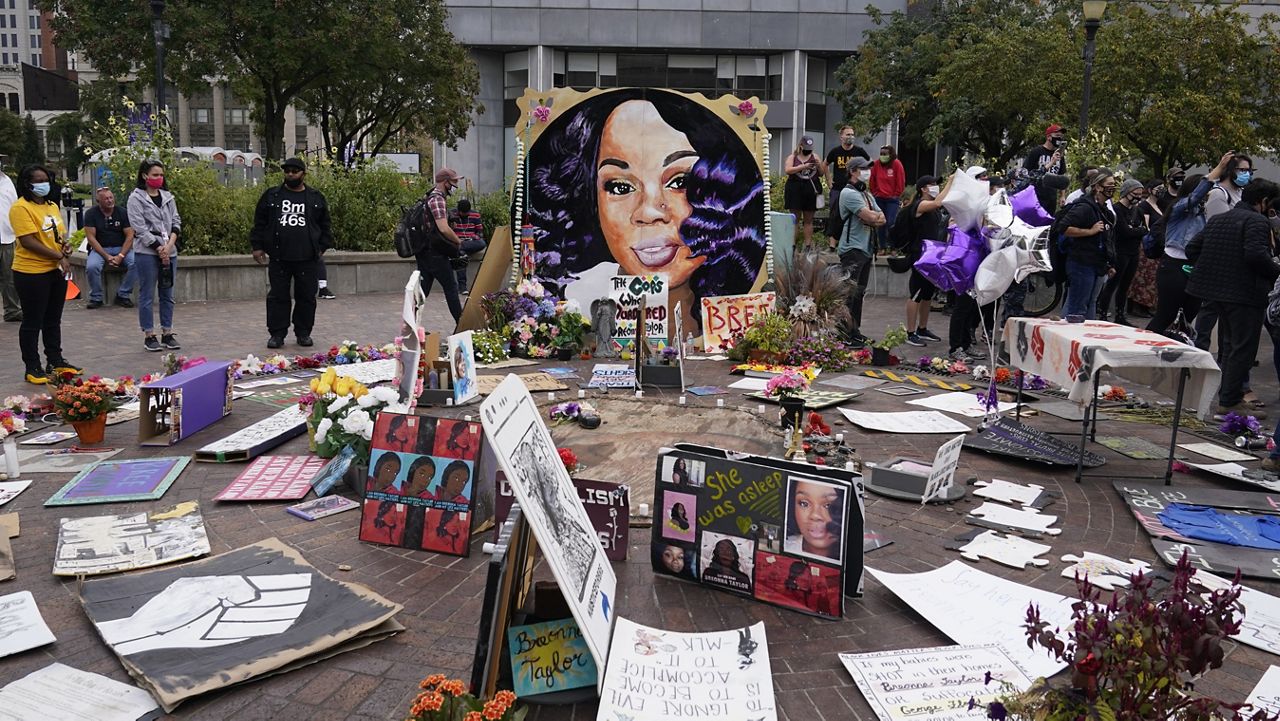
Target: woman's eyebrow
column 614, row 161
column 678, row 155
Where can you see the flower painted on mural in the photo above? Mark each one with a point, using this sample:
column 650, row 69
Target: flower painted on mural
column 745, row 108
column 542, row 113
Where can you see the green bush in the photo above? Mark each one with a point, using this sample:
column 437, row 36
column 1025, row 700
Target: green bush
column 495, row 209
column 216, row 219
column 777, row 202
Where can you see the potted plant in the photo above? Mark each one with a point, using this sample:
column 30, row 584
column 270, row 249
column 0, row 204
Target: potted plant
column 769, row 337
column 893, row 337
column 787, row 387
column 341, row 412
column 571, row 326
column 445, row 699
column 83, row 404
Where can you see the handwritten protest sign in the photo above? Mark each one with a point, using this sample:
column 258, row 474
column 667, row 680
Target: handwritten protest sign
column 725, row 316
column 934, row 684
column 943, row 474
column 655, row 675
column 612, row 375
column 626, row 291
column 548, row 657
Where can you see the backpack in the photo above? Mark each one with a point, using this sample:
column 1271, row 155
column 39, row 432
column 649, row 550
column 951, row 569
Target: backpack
column 903, row 230
column 411, row 235
column 1273, row 305
column 1058, row 242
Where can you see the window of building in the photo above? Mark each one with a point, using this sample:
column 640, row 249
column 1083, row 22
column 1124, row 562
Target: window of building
column 300, row 118
column 815, row 98
column 236, row 116
column 35, row 41
column 4, row 41
column 557, row 69
column 4, row 21
column 201, row 115
column 14, row 105
column 636, row 70
column 515, row 80
column 582, row 70
column 35, row 60
column 692, row 73
column 31, row 22
column 751, row 77
column 13, row 40
column 775, row 77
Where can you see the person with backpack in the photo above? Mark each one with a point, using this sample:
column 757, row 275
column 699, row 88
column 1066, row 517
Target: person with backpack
column 1223, row 196
column 921, row 220
column 434, row 259
column 1087, row 228
column 290, row 233
column 1182, row 221
column 1128, row 244
column 861, row 216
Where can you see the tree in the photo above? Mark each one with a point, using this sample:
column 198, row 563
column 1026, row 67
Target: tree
column 269, row 52
column 68, row 130
column 422, row 83
column 10, row 135
column 30, row 151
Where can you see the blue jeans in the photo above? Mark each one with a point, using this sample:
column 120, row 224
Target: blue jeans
column 93, row 269
column 1085, row 283
column 148, row 270
column 474, row 245
column 889, row 206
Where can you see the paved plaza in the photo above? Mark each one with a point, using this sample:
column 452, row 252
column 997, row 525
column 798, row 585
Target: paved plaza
column 442, row 595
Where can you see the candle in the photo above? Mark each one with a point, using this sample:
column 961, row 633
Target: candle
column 644, row 509
column 448, row 401
column 551, row 396
column 11, row 458
column 467, row 418
column 719, row 403
column 682, row 400
column 639, row 394
column 839, row 438
column 760, row 409
column 582, row 394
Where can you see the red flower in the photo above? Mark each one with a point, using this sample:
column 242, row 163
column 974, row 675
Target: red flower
column 1089, row 665
column 568, row 458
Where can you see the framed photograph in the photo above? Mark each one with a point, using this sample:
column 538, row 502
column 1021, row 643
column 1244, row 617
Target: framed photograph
column 815, row 521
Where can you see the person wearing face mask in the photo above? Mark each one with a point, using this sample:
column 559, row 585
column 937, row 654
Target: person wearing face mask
column 1182, row 221
column 1048, row 159
column 8, row 243
column 291, row 227
column 926, row 214
column 1142, row 291
column 40, row 272
column 805, row 171
column 838, row 177
column 1233, row 272
column 888, row 180
column 153, row 213
column 1091, row 258
column 861, row 216
column 1225, row 193
column 1128, row 244
column 433, row 264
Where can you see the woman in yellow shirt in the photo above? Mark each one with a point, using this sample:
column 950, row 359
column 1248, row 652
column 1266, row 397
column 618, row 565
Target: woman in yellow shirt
column 40, row 271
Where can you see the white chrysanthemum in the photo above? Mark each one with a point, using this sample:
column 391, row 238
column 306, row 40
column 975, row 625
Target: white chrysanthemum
column 804, row 308
column 339, row 403
column 322, row 429
column 384, row 394
column 358, row 423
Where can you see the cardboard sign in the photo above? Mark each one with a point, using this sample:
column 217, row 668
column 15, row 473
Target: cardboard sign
column 627, row 291
column 657, row 675
column 9, row 490
column 757, row 527
column 725, row 316
column 273, row 478
column 943, row 471
column 547, row 657
column 934, row 684
column 538, row 382
column 904, row 421
column 1008, row 437
column 1266, row 695
column 1252, row 562
column 21, row 625
column 612, row 375
column 177, row 406
column 608, row 506
column 110, row 544
column 420, row 490
column 76, row 695
column 1260, row 619
column 549, row 502
column 318, row 508
column 143, row 479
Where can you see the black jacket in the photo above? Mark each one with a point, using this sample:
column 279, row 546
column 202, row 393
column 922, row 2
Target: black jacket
column 1232, row 258
column 1129, row 229
column 265, row 235
column 1097, row 251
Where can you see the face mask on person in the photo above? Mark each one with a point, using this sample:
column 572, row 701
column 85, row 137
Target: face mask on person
column 1176, row 183
column 40, row 189
column 155, row 183
column 1243, row 177
column 293, row 182
column 932, row 190
column 1058, row 141
column 884, row 158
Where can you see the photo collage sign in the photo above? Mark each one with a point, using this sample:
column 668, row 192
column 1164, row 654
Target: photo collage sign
column 420, row 493
column 766, row 528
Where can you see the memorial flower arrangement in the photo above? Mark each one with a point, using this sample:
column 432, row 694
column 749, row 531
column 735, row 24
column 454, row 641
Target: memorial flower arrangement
column 571, row 326
column 343, row 354
column 11, row 423
column 27, row 407
column 490, row 346
column 808, row 371
column 81, row 400
column 341, row 412
column 565, row 412
column 786, row 385
column 1135, row 657
column 1234, row 424
column 570, row 460
column 823, row 350
column 1113, row 393
column 445, row 699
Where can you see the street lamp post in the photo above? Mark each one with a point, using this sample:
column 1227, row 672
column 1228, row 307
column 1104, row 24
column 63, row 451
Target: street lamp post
column 1093, row 10
column 161, row 33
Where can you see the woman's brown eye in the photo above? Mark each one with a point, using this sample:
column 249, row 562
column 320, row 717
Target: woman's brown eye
column 678, row 182
column 618, row 187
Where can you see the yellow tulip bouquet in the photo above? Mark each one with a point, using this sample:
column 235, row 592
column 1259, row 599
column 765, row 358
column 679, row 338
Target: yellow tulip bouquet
column 341, row 412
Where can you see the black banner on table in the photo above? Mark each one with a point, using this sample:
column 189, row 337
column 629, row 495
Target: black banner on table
column 1007, row 437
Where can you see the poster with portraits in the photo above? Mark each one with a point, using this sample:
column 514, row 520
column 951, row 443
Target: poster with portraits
column 782, row 532
column 420, row 493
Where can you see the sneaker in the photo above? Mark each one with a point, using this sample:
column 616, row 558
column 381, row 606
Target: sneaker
column 276, row 341
column 36, row 376
column 13, row 318
column 977, row 352
column 464, row 293
column 93, row 305
column 960, row 355
column 915, row 340
column 326, row 294
column 168, row 341
column 858, row 340
column 1271, row 464
column 305, row 341
column 1243, row 409
column 123, row 302
column 927, row 334
column 151, row 344
column 62, row 367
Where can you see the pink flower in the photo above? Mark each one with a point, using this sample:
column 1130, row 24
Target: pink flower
column 541, row 113
column 746, row 108
column 525, row 336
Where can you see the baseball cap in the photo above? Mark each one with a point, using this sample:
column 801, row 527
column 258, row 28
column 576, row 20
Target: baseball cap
column 858, row 162
column 925, row 181
column 444, row 174
column 806, row 141
column 975, row 170
column 1055, row 128
column 294, row 163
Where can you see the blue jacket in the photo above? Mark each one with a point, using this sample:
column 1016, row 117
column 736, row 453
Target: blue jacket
column 1186, row 219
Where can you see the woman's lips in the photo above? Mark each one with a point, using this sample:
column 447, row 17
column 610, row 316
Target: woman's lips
column 656, row 256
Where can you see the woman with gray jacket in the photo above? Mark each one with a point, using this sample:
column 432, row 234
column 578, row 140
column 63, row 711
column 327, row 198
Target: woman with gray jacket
column 153, row 213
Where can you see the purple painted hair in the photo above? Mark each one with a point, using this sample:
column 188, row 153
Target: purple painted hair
column 724, row 189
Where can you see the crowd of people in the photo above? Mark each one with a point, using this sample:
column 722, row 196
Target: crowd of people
column 1188, row 252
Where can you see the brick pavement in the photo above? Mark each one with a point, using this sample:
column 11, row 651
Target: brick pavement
column 442, row 595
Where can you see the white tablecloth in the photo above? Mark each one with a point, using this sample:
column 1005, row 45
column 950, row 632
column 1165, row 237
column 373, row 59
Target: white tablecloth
column 1069, row 354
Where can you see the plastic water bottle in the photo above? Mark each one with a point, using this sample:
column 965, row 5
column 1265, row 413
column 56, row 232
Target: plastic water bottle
column 689, row 346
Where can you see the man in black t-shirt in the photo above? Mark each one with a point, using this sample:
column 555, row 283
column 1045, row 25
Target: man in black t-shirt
column 106, row 228
column 838, row 177
column 291, row 225
column 1048, row 159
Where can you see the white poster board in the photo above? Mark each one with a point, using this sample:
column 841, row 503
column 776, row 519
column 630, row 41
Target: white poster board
column 961, row 403
column 520, row 439
column 657, row 675
column 9, row 490
column 21, row 625
column 934, row 684
column 973, row 607
column 626, row 291
column 943, row 474
column 612, row 375
column 1260, row 626
column 462, row 367
column 904, row 421
column 58, row 691
column 1266, row 695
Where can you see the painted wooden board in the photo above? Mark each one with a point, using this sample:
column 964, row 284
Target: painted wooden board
column 994, row 515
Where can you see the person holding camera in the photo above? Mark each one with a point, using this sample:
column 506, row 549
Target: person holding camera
column 291, row 227
column 1091, row 252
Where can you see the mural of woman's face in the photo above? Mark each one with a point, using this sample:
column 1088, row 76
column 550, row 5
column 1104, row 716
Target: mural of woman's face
column 387, row 472
column 455, row 482
column 642, row 169
column 812, row 513
column 673, row 558
column 421, row 479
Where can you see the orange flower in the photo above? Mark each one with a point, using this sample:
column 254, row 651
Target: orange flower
column 472, row 716
column 506, row 697
column 433, row 680
column 494, row 710
column 432, row 702
column 454, row 686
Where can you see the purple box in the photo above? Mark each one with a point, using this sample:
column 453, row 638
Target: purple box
column 177, row 406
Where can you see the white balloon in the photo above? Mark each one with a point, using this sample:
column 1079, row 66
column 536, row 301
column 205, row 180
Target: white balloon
column 967, row 201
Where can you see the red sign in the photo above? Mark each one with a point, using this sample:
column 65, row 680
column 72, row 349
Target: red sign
column 273, row 478
column 725, row 316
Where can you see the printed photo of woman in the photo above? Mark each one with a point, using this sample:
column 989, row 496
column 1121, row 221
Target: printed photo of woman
column 674, row 559
column 815, row 519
